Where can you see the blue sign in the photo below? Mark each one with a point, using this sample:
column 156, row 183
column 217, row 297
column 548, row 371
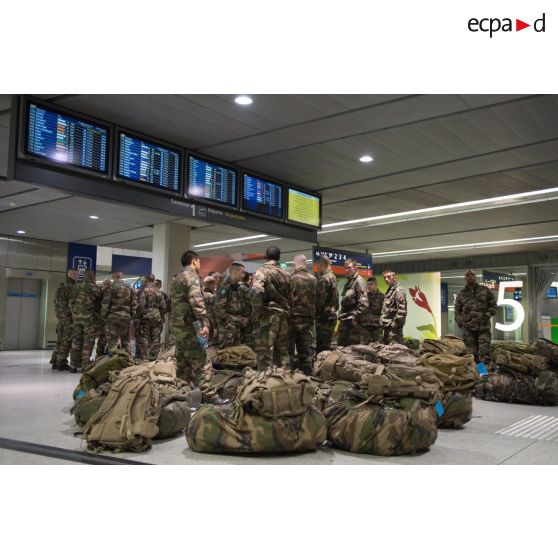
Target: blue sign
column 82, row 257
column 339, row 257
column 552, row 292
column 131, row 265
column 489, row 276
column 24, row 295
column 444, row 297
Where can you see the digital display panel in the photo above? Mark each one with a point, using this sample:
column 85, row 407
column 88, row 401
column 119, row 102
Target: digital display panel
column 142, row 161
column 66, row 140
column 552, row 292
column 262, row 196
column 303, row 208
column 211, row 181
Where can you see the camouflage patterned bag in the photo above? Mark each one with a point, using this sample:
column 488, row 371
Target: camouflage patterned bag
column 343, row 365
column 86, row 407
column 547, row 349
column 235, row 358
column 221, row 430
column 328, row 393
column 406, row 426
column 448, row 344
column 174, row 418
column 510, row 361
column 223, row 383
column 394, row 354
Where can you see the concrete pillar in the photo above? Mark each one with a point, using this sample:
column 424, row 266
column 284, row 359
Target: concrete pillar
column 170, row 241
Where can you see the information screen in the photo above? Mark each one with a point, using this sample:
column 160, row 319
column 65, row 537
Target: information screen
column 303, row 208
column 140, row 160
column 66, row 140
column 262, row 196
column 212, row 182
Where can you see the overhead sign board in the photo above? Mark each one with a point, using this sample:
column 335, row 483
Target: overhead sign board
column 339, row 257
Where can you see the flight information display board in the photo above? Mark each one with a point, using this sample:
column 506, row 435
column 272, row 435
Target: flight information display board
column 211, row 182
column 262, row 197
column 142, row 161
column 66, row 140
column 303, row 208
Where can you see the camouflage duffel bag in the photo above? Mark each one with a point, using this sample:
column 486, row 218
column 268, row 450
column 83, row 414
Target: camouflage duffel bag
column 448, row 344
column 174, row 418
column 547, row 349
column 342, row 365
column 394, row 354
column 406, row 426
column 224, row 430
column 85, row 407
column 234, row 358
column 511, row 361
column 328, row 393
column 223, row 383
column 458, row 409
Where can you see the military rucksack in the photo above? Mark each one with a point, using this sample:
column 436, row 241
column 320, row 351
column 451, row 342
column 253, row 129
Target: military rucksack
column 457, row 373
column 343, row 365
column 98, row 372
column 394, row 354
column 524, row 363
column 234, row 358
column 448, row 344
column 547, row 349
column 127, row 419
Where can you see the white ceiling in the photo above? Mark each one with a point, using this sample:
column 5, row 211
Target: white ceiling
column 429, row 150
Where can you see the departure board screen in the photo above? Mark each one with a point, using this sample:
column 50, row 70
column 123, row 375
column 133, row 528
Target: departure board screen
column 262, row 196
column 303, row 208
column 66, row 140
column 142, row 161
column 211, row 182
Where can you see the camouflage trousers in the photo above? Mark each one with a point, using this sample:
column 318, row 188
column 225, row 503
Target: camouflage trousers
column 190, row 356
column 116, row 330
column 229, row 333
column 374, row 333
column 350, row 334
column 393, row 334
column 478, row 344
column 83, row 340
column 247, row 335
column 301, row 341
column 63, row 342
column 272, row 340
column 324, row 334
column 148, row 339
column 102, row 348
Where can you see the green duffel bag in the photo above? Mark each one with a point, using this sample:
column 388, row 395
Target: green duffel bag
column 404, row 427
column 343, row 365
column 547, row 349
column 514, row 361
column 223, row 383
column 174, row 419
column 86, row 407
column 224, row 430
column 234, row 358
column 447, row 344
column 458, row 409
column 328, row 393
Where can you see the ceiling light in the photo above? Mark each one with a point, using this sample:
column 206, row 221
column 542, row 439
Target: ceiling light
column 243, row 100
column 236, row 245
column 12, row 204
column 20, row 231
column 230, row 240
column 93, row 217
column 366, row 159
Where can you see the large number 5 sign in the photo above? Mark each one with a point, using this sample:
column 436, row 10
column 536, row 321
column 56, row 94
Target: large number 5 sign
column 520, row 313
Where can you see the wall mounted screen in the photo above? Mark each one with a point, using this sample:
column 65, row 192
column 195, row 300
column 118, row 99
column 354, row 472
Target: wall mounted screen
column 211, row 182
column 262, row 196
column 143, row 161
column 303, row 208
column 66, row 140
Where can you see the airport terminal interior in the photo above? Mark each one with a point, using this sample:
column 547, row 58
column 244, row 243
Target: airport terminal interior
column 429, row 187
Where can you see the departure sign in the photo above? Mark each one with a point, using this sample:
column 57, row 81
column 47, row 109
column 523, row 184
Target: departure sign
column 66, row 140
column 149, row 163
column 303, row 208
column 212, row 182
column 262, row 196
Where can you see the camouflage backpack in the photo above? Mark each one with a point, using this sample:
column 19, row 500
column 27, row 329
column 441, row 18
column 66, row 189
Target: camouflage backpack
column 448, row 344
column 524, row 363
column 235, row 358
column 395, row 354
column 85, row 407
column 127, row 418
column 547, row 349
column 223, row 383
column 343, row 365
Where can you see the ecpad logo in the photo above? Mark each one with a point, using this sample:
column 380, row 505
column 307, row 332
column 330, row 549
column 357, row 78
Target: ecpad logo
column 493, row 25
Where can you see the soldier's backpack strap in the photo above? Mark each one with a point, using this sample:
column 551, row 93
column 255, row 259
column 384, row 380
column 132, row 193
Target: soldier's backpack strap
column 328, row 365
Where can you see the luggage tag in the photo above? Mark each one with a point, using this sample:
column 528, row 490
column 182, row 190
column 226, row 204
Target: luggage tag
column 481, row 367
column 439, row 408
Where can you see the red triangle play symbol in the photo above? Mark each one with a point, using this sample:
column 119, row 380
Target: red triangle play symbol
column 519, row 25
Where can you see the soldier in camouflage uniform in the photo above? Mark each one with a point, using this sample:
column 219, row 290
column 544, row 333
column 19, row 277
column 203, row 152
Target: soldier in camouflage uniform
column 101, row 335
column 151, row 323
column 354, row 304
column 159, row 285
column 371, row 319
column 59, row 358
column 117, row 311
column 394, row 310
column 301, row 322
column 85, row 301
column 271, row 294
column 474, row 306
column 327, row 304
column 188, row 307
column 247, row 321
column 229, row 303
column 209, row 287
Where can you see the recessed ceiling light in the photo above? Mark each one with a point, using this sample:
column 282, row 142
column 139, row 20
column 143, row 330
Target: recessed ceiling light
column 12, row 204
column 243, row 100
column 366, row 159
column 20, row 231
column 93, row 217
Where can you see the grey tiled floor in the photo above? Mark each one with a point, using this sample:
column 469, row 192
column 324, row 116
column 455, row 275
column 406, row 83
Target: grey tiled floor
column 35, row 403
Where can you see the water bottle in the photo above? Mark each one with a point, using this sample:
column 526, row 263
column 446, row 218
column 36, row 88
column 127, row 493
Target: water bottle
column 202, row 340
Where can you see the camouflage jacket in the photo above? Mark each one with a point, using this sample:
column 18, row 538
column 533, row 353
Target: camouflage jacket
column 62, row 300
column 187, row 298
column 229, row 302
column 119, row 302
column 271, row 291
column 154, row 306
column 303, row 293
column 327, row 297
column 245, row 302
column 167, row 300
column 85, row 301
column 474, row 307
column 394, row 308
column 372, row 315
column 354, row 302
column 209, row 298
